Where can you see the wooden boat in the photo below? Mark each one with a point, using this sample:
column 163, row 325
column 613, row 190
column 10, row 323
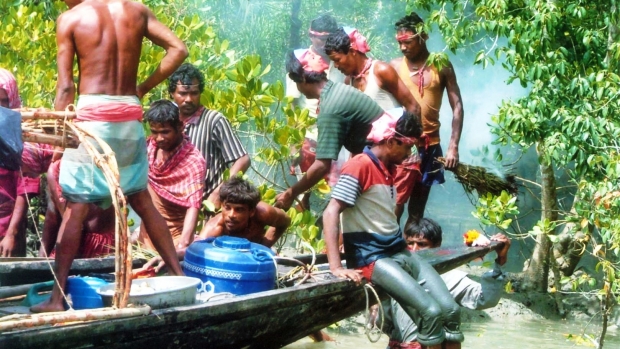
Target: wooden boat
column 269, row 319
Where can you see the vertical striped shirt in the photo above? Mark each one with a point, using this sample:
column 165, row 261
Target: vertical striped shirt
column 212, row 134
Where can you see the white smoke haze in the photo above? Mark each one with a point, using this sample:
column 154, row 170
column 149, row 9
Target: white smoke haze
column 244, row 23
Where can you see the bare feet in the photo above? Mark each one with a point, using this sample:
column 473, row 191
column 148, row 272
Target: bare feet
column 47, row 307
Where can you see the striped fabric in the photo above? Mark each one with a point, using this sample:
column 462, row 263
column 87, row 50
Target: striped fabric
column 217, row 142
column 82, row 181
column 180, row 178
column 345, row 119
column 370, row 228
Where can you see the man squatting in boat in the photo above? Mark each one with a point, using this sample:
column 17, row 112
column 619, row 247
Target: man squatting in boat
column 373, row 242
column 106, row 36
column 468, row 293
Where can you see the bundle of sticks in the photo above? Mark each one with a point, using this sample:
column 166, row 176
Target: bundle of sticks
column 48, row 127
column 481, row 180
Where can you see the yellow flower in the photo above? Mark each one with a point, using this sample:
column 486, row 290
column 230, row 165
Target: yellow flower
column 470, row 236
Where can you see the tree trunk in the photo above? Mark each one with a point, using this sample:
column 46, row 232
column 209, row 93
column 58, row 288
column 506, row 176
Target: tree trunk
column 295, row 38
column 571, row 245
column 536, row 276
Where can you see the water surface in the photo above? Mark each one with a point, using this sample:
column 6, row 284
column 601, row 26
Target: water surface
column 501, row 334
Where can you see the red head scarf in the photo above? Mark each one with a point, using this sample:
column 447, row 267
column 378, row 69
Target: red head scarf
column 9, row 84
column 358, row 41
column 311, row 61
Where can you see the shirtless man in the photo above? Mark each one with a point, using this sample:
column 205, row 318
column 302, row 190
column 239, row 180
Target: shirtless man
column 347, row 48
column 243, row 215
column 427, row 86
column 106, row 36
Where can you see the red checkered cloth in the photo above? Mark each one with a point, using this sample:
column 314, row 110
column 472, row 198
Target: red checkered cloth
column 180, row 179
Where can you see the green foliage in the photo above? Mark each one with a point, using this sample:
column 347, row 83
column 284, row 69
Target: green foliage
column 566, row 54
column 28, row 50
column 494, row 210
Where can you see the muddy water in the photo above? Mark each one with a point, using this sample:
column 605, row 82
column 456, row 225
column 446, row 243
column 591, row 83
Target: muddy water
column 508, row 334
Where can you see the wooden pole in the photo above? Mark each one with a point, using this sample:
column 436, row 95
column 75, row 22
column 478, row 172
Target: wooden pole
column 54, row 140
column 13, row 322
column 45, row 114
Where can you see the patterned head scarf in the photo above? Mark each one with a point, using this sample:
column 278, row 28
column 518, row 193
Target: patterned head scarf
column 311, row 61
column 358, row 41
column 385, row 128
column 9, row 84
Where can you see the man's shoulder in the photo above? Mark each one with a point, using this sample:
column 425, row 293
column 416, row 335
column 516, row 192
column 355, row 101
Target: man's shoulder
column 211, row 115
column 396, row 62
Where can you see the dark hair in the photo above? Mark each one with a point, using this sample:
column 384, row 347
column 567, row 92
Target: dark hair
column 426, row 228
column 297, row 73
column 411, row 22
column 324, row 23
column 185, row 74
column 409, row 125
column 338, row 41
column 237, row 190
column 163, row 111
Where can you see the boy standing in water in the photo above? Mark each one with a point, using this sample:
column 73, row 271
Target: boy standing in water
column 373, row 242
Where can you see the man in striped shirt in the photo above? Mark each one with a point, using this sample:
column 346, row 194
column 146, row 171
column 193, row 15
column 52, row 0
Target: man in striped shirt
column 208, row 130
column 374, row 245
column 176, row 173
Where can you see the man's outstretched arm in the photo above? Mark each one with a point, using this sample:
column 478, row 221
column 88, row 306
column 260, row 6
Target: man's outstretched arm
column 277, row 220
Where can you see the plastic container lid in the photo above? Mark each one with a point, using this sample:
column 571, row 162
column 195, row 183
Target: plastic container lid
column 232, row 242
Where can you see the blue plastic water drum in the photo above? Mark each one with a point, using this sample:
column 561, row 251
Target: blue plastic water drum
column 231, row 264
column 83, row 291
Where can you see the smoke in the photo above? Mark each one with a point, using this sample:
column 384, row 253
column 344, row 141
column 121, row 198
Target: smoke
column 264, row 28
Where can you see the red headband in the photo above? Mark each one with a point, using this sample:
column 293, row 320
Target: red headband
column 315, row 33
column 403, row 37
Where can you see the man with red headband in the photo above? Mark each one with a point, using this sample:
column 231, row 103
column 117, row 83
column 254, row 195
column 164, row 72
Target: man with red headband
column 374, row 245
column 320, row 28
column 345, row 117
column 106, row 38
column 427, row 85
column 347, row 48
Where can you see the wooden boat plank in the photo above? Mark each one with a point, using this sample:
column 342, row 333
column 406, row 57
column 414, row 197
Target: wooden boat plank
column 37, row 270
column 268, row 319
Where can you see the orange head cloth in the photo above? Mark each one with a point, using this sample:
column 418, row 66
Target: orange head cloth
column 311, row 61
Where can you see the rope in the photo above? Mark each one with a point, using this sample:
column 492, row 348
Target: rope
column 371, row 330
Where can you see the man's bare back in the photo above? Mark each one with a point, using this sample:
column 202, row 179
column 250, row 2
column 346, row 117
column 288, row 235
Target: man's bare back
column 106, row 36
